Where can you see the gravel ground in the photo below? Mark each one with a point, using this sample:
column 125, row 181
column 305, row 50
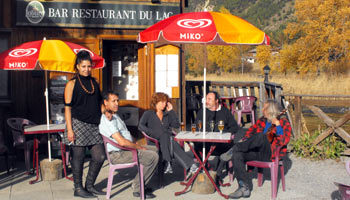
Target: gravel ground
column 305, row 179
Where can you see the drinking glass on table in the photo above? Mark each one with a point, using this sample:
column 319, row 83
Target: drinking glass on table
column 212, row 125
column 199, row 123
column 182, row 125
column 221, row 126
column 193, row 128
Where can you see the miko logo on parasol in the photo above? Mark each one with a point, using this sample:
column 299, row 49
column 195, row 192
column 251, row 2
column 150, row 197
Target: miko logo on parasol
column 193, row 24
column 82, row 49
column 21, row 53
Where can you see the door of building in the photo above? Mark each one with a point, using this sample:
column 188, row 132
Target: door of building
column 129, row 71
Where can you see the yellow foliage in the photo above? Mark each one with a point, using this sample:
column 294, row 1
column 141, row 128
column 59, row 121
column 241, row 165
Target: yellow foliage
column 225, row 57
column 320, row 37
column 195, row 59
column 263, row 55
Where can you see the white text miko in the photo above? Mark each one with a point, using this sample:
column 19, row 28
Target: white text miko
column 190, row 36
column 18, row 65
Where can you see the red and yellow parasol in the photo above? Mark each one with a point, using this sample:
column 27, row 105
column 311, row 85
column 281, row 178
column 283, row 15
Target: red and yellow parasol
column 204, row 27
column 48, row 55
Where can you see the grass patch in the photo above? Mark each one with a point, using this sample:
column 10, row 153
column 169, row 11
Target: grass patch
column 292, row 83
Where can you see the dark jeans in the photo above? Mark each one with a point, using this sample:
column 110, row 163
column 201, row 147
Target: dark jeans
column 220, row 148
column 171, row 149
column 256, row 147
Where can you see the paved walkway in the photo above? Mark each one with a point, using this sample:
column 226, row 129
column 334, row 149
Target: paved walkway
column 304, row 179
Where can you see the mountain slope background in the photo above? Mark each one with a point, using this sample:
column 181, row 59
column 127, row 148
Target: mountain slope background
column 270, row 16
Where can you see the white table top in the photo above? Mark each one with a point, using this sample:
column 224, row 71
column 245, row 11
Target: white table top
column 188, row 136
column 42, row 128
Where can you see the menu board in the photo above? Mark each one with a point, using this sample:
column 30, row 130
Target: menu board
column 56, row 91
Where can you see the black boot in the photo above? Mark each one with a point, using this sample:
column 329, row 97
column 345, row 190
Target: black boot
column 94, row 169
column 79, row 191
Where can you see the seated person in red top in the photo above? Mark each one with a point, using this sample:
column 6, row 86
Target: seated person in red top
column 255, row 145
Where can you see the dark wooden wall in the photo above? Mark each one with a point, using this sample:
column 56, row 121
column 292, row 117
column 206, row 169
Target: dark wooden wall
column 27, row 87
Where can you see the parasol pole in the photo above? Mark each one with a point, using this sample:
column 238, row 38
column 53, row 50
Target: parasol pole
column 204, row 98
column 47, row 113
column 204, row 108
column 46, row 93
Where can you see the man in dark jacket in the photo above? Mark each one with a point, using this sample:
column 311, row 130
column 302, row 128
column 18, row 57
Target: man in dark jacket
column 215, row 112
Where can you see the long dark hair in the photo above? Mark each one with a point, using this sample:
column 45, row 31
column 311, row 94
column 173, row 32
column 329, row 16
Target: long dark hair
column 81, row 55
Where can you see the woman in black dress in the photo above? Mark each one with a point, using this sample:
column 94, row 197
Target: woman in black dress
column 82, row 100
column 157, row 123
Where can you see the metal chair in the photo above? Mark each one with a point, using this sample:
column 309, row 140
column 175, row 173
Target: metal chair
column 243, row 105
column 19, row 139
column 160, row 165
column 274, row 172
column 113, row 167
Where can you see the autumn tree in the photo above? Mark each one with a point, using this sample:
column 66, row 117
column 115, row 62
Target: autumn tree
column 319, row 38
column 226, row 57
column 194, row 58
column 263, row 55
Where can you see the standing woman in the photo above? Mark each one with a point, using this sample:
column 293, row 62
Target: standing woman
column 82, row 100
column 157, row 123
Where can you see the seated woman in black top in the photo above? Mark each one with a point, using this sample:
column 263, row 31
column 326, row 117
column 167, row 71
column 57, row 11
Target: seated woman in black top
column 157, row 123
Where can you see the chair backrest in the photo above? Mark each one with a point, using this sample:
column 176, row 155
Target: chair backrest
column 17, row 125
column 106, row 141
column 244, row 103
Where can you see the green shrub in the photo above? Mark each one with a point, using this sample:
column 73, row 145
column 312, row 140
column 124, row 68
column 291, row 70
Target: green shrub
column 330, row 148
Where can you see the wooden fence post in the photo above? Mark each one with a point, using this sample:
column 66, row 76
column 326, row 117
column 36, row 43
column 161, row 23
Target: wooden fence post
column 297, row 113
column 262, row 97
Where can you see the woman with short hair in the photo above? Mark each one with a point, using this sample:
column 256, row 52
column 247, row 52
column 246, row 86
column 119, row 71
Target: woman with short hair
column 157, row 123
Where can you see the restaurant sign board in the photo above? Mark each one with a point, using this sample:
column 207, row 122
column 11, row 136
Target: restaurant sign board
column 92, row 14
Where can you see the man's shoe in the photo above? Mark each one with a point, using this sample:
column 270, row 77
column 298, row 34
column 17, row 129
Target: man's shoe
column 227, row 155
column 242, row 191
column 147, row 195
column 194, row 168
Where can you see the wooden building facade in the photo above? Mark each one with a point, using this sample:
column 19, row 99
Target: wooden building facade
column 108, row 28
